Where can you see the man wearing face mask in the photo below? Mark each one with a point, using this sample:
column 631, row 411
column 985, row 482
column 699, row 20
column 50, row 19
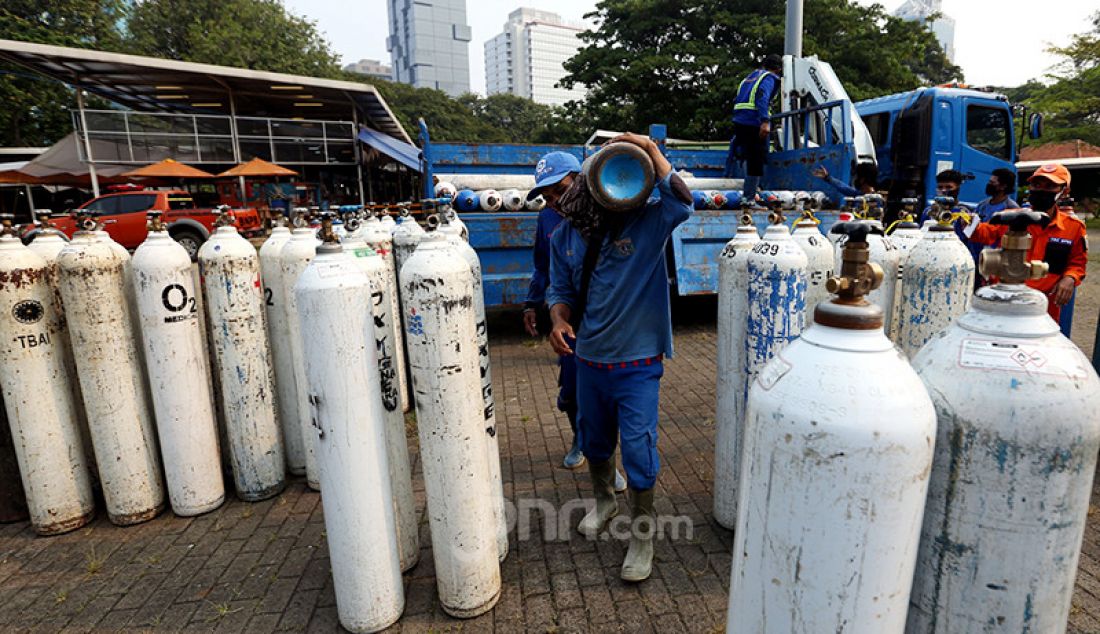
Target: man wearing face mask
column 554, row 173
column 1000, row 185
column 948, row 183
column 609, row 291
column 1062, row 242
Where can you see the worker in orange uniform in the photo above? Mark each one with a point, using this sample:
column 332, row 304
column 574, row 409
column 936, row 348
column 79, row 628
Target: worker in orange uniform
column 1062, row 243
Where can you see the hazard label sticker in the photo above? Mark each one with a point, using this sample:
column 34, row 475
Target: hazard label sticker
column 326, row 270
column 990, row 354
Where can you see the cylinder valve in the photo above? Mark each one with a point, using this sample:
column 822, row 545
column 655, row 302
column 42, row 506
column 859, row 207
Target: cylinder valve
column 1009, row 262
column 155, row 223
column 858, row 277
column 225, row 216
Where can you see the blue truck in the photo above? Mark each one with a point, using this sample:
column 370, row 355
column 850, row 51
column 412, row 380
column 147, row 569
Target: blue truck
column 915, row 135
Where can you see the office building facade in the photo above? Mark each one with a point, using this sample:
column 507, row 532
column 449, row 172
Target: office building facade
column 429, row 44
column 527, row 57
column 943, row 26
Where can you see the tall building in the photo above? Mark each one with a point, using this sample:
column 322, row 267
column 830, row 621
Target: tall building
column 526, row 58
column 371, row 68
column 943, row 27
column 429, row 44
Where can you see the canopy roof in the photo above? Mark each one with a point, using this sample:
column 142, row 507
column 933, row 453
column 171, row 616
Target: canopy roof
column 168, row 168
column 258, row 167
column 150, row 83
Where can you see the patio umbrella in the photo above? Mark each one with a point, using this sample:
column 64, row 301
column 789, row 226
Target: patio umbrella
column 257, row 167
column 168, row 168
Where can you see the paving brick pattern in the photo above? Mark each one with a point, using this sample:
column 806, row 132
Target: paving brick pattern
column 264, row 567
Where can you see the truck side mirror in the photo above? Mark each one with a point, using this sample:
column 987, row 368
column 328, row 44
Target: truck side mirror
column 1035, row 125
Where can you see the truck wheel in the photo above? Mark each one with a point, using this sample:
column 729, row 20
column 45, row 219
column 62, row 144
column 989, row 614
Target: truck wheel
column 190, row 240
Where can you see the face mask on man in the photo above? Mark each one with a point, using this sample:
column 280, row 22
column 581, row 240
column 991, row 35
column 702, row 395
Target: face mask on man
column 1041, row 200
column 991, row 189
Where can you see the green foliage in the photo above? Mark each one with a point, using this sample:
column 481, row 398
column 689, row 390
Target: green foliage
column 680, row 62
column 522, row 120
column 448, row 119
column 36, row 110
column 1071, row 103
column 255, row 34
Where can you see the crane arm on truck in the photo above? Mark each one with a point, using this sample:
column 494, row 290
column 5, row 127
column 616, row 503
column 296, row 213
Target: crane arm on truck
column 808, row 82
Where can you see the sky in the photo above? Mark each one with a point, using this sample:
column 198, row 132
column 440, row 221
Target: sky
column 997, row 42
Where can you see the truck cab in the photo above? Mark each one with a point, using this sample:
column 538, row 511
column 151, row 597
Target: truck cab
column 921, row 133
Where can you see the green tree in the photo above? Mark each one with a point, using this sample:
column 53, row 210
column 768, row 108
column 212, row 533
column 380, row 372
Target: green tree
column 522, row 120
column 1071, row 103
column 36, row 109
column 255, row 34
column 680, row 61
column 448, row 119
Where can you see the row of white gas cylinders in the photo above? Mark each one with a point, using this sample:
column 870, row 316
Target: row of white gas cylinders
column 443, row 318
column 870, row 495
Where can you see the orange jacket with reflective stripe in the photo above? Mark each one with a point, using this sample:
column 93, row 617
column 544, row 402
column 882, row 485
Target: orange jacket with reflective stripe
column 1062, row 244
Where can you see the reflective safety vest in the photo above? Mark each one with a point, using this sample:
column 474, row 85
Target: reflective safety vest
column 746, row 100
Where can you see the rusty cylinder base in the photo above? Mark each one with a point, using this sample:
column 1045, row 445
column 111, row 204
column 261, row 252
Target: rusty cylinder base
column 130, row 519
column 65, row 526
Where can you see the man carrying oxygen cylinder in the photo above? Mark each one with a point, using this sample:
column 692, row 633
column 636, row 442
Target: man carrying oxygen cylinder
column 615, row 303
column 1061, row 242
column 553, row 169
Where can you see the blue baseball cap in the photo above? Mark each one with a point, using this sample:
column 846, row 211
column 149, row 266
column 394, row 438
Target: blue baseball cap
column 551, row 169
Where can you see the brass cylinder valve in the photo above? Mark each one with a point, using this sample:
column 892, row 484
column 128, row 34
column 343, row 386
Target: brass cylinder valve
column 328, row 236
column 6, row 228
column 154, row 221
column 858, row 277
column 1009, row 262
column 225, row 216
column 300, row 218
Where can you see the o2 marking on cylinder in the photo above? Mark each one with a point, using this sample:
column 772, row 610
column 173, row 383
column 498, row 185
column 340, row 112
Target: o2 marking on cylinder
column 28, row 311
column 168, row 297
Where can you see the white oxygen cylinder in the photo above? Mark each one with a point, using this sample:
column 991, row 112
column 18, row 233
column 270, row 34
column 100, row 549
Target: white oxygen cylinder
column 175, row 361
column 49, row 244
column 936, row 285
column 437, row 294
column 733, row 300
column 40, row 402
column 834, row 473
column 405, row 238
column 101, row 328
column 820, row 263
column 397, row 445
column 445, row 189
column 1018, row 407
column 242, row 358
column 777, row 271
column 489, row 410
column 349, row 431
column 513, row 200
column 490, row 200
column 294, row 257
column 278, row 333
column 382, row 243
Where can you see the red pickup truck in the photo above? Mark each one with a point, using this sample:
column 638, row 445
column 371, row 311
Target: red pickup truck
column 123, row 215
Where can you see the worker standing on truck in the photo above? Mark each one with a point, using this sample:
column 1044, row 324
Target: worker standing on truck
column 554, row 173
column 752, row 123
column 609, row 291
column 1062, row 242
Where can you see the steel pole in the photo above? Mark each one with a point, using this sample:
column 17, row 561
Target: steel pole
column 87, row 143
column 792, row 41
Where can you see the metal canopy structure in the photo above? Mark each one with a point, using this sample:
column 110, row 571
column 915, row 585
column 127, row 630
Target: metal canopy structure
column 149, row 83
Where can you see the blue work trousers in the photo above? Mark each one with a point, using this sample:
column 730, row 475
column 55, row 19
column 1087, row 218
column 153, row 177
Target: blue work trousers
column 567, row 385
column 618, row 402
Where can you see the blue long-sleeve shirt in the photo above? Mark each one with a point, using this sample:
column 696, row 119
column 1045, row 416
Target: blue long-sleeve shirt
column 761, row 101
column 844, row 188
column 540, row 276
column 627, row 315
